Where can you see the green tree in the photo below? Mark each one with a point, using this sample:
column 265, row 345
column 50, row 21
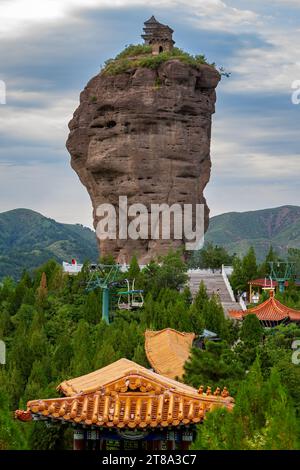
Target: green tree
column 83, row 349
column 170, row 273
column 210, row 257
column 262, row 418
column 139, row 356
column 105, row 355
column 12, row 433
column 93, row 307
column 134, row 269
column 264, row 269
column 281, row 429
column 214, row 366
column 251, row 331
column 38, row 379
column 244, row 271
column 62, row 356
column 250, row 264
column 201, row 297
column 213, row 316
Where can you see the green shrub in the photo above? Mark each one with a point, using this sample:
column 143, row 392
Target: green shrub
column 134, row 50
column 140, row 55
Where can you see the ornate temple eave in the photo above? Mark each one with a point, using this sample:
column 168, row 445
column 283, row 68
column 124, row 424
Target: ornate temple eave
column 268, row 312
column 131, row 397
column 131, row 410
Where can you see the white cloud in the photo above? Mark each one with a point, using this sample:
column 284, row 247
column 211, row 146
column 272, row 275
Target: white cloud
column 47, row 123
column 217, row 15
column 272, row 68
column 19, row 15
column 246, row 175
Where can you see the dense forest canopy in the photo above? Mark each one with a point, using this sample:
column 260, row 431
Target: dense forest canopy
column 53, row 330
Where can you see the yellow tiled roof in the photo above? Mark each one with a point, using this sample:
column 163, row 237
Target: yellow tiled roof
column 125, row 394
column 117, row 371
column 167, row 350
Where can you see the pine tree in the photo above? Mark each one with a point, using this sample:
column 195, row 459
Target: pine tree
column 187, row 296
column 134, row 269
column 282, row 429
column 251, row 331
column 42, row 292
column 240, row 428
column 46, row 438
column 105, row 355
column 83, row 350
column 250, row 265
column 214, row 366
column 172, row 272
column 237, row 280
column 12, row 433
column 93, row 308
column 210, row 257
column 264, row 270
column 17, row 300
column 201, row 297
column 139, row 356
column 262, row 418
column 38, row 379
column 62, row 356
column 213, row 315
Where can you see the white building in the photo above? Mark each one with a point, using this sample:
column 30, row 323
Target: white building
column 72, row 268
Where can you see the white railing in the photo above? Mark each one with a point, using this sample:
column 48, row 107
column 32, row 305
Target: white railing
column 227, row 283
column 228, row 269
column 203, row 271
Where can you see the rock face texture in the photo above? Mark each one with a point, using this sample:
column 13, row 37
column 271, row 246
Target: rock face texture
column 145, row 134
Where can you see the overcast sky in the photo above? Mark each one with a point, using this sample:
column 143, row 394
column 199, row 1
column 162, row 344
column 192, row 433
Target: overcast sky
column 49, row 49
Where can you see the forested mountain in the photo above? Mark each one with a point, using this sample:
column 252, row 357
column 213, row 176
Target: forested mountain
column 237, row 231
column 28, row 239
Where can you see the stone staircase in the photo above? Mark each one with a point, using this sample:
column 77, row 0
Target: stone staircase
column 215, row 284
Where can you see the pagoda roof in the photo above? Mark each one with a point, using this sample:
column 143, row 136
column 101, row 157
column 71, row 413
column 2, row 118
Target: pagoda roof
column 152, row 20
column 167, row 350
column 126, row 394
column 267, row 283
column 271, row 310
column 116, row 372
column 153, row 23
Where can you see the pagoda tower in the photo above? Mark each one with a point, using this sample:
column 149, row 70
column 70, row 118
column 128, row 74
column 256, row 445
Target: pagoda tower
column 158, row 36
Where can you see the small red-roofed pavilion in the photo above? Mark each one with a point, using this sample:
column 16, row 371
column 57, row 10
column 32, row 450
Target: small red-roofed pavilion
column 270, row 313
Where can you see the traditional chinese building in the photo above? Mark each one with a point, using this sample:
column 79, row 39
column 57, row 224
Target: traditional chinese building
column 158, row 36
column 167, row 350
column 259, row 285
column 270, row 313
column 125, row 406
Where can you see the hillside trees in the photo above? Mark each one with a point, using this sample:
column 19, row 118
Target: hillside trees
column 262, row 418
column 63, row 336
